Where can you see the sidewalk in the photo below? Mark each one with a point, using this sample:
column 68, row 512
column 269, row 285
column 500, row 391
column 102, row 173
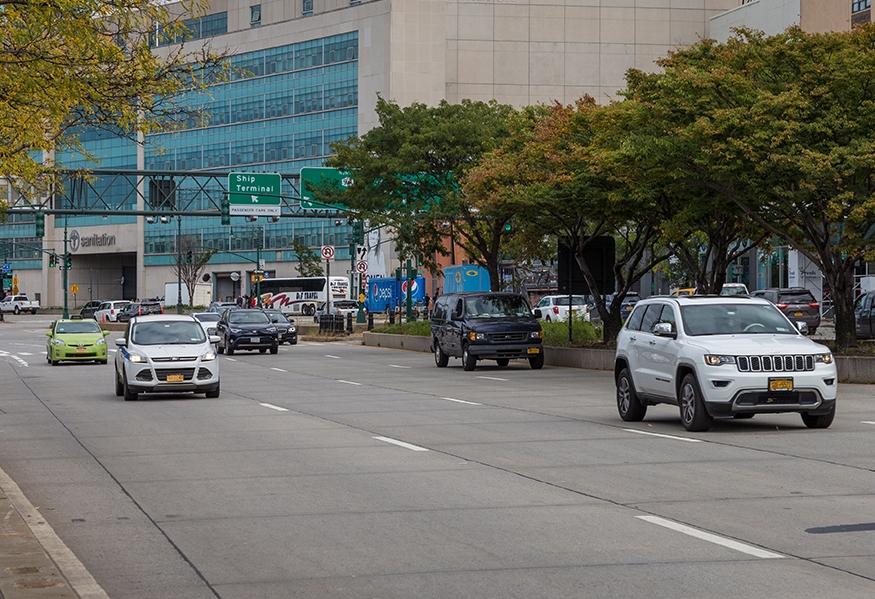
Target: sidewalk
column 25, row 569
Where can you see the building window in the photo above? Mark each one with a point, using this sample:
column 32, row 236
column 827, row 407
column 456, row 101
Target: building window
column 255, row 15
column 858, row 5
column 308, row 7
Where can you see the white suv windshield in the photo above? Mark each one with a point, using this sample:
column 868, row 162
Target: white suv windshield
column 728, row 319
column 167, row 333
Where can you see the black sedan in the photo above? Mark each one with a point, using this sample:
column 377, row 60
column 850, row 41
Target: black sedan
column 285, row 327
column 247, row 329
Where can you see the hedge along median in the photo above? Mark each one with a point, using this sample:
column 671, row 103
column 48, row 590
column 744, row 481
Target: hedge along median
column 852, row 369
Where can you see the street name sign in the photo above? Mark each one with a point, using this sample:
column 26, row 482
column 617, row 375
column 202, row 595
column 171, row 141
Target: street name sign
column 254, row 194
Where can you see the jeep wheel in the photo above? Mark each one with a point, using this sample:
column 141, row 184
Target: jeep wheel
column 821, row 421
column 693, row 414
column 469, row 362
column 440, row 358
column 628, row 405
column 537, row 362
column 502, row 362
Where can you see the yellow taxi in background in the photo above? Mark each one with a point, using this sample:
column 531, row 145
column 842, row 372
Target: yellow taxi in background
column 76, row 340
column 684, row 292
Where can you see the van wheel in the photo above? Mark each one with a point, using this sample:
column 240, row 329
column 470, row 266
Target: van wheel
column 502, row 362
column 440, row 358
column 537, row 362
column 469, row 362
column 693, row 414
column 628, row 404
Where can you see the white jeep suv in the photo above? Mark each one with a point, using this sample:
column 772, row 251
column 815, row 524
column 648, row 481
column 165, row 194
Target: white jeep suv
column 721, row 357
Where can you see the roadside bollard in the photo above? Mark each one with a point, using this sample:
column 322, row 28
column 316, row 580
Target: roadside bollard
column 349, row 323
column 370, row 321
column 391, row 316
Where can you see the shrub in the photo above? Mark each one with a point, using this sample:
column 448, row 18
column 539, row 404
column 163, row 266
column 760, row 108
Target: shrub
column 583, row 333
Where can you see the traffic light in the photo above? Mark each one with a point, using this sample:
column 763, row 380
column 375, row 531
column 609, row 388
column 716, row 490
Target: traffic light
column 189, row 257
column 40, row 224
column 68, row 261
column 508, row 227
column 226, row 211
column 53, row 260
column 399, row 273
column 358, row 233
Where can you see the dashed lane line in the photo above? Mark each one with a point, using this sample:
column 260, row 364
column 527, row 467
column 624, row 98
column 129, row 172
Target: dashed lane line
column 711, row 538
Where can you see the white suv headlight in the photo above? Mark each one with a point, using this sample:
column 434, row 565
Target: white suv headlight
column 823, row 358
column 208, row 356
column 137, row 358
column 713, row 360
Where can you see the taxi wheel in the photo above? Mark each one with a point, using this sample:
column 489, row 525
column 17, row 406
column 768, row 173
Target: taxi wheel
column 213, row 394
column 119, row 388
column 129, row 395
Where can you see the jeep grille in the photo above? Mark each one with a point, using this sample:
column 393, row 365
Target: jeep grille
column 775, row 363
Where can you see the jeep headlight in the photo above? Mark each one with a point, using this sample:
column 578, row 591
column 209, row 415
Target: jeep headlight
column 476, row 336
column 714, row 360
column 208, row 356
column 823, row 358
column 536, row 334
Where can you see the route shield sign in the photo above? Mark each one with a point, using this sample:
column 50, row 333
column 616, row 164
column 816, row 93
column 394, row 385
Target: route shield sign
column 316, row 177
column 254, row 194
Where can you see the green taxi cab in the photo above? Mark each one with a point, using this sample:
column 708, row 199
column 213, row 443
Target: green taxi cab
column 76, row 340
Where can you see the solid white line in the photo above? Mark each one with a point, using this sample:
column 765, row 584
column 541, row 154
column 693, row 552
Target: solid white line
column 348, row 382
column 332, row 357
column 273, row 407
column 632, row 430
column 866, row 422
column 397, row 366
column 231, row 359
column 80, row 580
column 491, row 378
column 401, row 443
column 706, row 536
column 279, row 369
column 470, row 403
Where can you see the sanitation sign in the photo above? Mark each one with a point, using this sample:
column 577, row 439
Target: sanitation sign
column 254, row 194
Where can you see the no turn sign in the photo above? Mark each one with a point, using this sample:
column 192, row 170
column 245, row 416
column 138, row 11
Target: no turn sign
column 361, row 266
column 328, row 252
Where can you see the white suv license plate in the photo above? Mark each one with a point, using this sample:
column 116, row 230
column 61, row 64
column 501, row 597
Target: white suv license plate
column 780, row 384
column 255, row 340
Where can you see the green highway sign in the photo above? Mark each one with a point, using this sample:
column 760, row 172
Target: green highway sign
column 254, row 193
column 315, row 177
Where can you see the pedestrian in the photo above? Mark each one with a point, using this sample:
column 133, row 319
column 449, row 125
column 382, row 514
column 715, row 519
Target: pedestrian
column 426, row 300
column 252, row 302
column 239, row 301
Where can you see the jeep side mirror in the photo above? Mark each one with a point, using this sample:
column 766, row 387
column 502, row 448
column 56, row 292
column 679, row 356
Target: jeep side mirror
column 803, row 327
column 663, row 329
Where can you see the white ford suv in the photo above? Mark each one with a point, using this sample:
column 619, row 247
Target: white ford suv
column 721, row 357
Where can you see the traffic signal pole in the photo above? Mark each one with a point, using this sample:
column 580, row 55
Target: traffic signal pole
column 179, row 265
column 66, row 267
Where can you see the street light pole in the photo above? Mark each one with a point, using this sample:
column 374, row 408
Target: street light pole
column 66, row 268
column 178, row 264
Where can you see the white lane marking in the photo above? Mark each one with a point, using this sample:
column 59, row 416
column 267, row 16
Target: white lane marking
column 24, row 353
column 491, row 378
column 80, row 580
column 470, row 403
column 401, row 443
column 866, row 422
column 632, row 430
column 279, row 369
column 19, row 360
column 231, row 359
column 706, row 536
column 397, row 366
column 349, row 382
column 332, row 357
column 273, row 407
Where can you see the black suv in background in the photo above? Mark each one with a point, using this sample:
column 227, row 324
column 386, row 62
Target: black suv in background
column 797, row 304
column 246, row 329
column 142, row 308
column 485, row 326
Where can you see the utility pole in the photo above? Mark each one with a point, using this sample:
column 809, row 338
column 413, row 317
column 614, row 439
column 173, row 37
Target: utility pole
column 178, row 264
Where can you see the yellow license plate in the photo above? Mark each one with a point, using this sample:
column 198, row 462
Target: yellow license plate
column 780, row 384
column 175, row 378
column 534, row 350
column 797, row 313
column 81, row 350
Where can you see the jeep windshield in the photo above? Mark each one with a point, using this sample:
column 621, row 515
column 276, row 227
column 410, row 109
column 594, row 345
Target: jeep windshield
column 498, row 306
column 731, row 319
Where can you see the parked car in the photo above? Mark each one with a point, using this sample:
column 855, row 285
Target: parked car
column 221, row 306
column 797, row 303
column 76, row 341
column 247, row 329
column 108, row 311
column 18, row 304
column 286, row 330
column 163, row 353
column 864, row 315
column 485, row 326
column 555, row 308
column 88, row 310
column 721, row 357
column 339, row 308
column 142, row 308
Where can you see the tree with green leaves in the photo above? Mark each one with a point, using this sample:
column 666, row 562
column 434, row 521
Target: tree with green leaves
column 406, row 173
column 309, row 261
column 71, row 65
column 783, row 127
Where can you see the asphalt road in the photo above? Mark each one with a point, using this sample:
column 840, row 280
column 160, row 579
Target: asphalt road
column 343, row 471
